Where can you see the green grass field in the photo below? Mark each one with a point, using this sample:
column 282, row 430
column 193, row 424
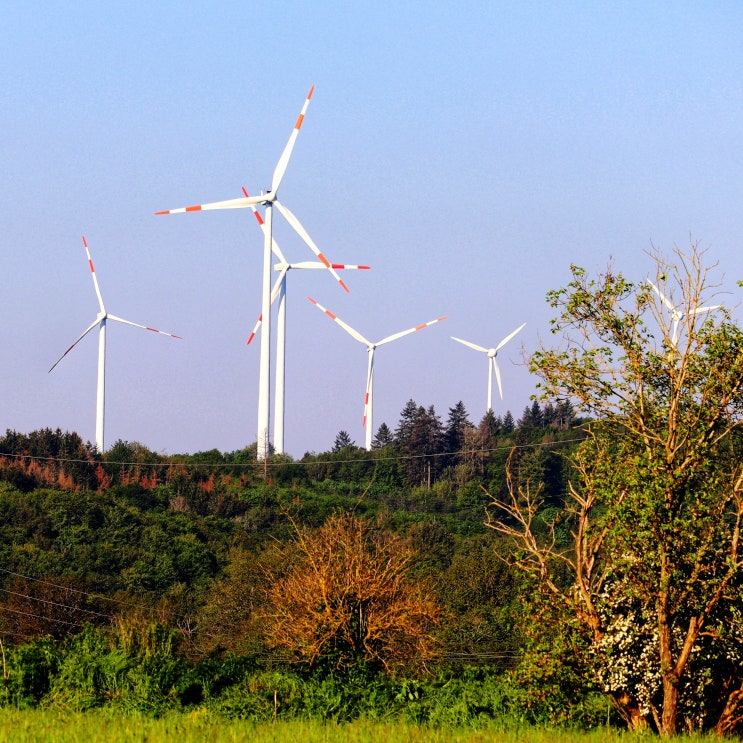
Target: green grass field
column 201, row 727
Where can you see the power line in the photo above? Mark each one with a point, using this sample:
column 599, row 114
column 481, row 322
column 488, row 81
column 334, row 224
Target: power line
column 36, row 616
column 267, row 463
column 55, row 603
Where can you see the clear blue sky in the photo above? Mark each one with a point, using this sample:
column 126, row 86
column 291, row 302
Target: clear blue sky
column 469, row 153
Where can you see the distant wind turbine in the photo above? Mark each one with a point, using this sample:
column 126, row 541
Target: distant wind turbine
column 492, row 363
column 269, row 199
column 676, row 314
column 100, row 323
column 370, row 347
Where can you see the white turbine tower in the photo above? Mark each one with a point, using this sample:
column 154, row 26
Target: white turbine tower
column 268, row 199
column 676, row 314
column 492, row 363
column 100, row 323
column 371, row 347
column 279, row 291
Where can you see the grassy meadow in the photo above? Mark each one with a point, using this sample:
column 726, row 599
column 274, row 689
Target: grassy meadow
column 25, row 726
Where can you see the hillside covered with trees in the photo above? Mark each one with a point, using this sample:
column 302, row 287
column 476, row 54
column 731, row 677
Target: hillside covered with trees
column 577, row 564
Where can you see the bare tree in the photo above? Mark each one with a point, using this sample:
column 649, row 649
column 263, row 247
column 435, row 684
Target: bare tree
column 347, row 599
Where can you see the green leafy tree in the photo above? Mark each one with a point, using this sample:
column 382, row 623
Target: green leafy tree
column 646, row 562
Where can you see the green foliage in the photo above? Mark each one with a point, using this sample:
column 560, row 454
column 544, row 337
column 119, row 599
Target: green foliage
column 139, row 672
column 28, row 672
column 185, row 543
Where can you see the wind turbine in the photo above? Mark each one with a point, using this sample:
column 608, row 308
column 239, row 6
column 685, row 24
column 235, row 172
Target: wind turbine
column 279, row 291
column 100, row 323
column 268, row 199
column 676, row 314
column 492, row 363
column 371, row 347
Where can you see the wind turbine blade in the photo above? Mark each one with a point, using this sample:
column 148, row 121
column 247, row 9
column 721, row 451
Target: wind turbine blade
column 662, row 296
column 394, row 337
column 278, row 173
column 508, row 338
column 699, row 310
column 144, row 327
column 303, row 265
column 277, row 284
column 255, row 329
column 294, row 222
column 318, row 264
column 469, row 345
column 95, row 278
column 497, row 377
column 240, row 203
column 274, row 294
column 262, row 225
column 353, row 333
column 90, row 327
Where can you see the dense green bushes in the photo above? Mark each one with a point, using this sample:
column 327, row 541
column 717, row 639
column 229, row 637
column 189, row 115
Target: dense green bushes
column 139, row 669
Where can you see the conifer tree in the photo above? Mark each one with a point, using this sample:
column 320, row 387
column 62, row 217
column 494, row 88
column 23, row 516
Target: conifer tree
column 383, row 437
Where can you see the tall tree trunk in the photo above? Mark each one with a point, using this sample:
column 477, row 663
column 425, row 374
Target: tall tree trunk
column 670, row 705
column 667, row 665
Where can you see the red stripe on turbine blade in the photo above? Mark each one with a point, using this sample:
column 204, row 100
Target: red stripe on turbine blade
column 85, row 242
column 193, row 208
column 323, row 260
column 312, row 300
column 259, row 218
column 312, row 90
column 330, row 314
column 298, row 125
column 154, row 330
column 90, row 263
column 420, row 327
column 343, row 284
column 158, row 214
column 250, row 340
